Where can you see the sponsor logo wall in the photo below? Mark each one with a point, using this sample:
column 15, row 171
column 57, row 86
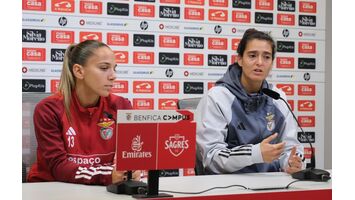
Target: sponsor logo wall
column 172, row 49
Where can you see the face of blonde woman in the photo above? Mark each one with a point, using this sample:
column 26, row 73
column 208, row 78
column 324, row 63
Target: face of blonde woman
column 256, row 62
column 99, row 72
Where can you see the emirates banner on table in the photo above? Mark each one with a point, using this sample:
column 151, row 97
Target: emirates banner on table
column 152, row 139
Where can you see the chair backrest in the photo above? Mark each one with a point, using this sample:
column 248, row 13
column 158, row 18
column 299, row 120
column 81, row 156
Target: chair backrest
column 29, row 141
column 189, row 103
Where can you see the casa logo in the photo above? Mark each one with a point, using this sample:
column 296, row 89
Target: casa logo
column 121, row 56
column 235, row 43
column 63, row 6
column 195, row 2
column 306, row 90
column 169, row 58
column 241, row 4
column 167, row 104
column 140, row 57
column 33, row 54
column 217, row 60
column 308, row 152
column 234, row 59
column 193, row 87
column 121, row 9
column 120, row 87
column 285, row 62
column 62, row 21
column 288, row 89
column 169, row 41
column 36, row 5
column 285, row 46
column 303, row 137
column 194, row 13
column 193, row 42
column 176, row 144
column 117, row 39
column 33, row 85
column 291, row 103
column 62, row 37
column 169, row 87
column 307, row 47
column 34, row 35
column 264, row 4
column 143, row 10
column 90, row 36
column 264, row 18
column 306, row 63
column 57, row 55
column 169, row 73
column 169, row 12
column 143, row 104
column 286, row 5
column 218, row 29
column 54, row 85
column 217, row 43
column 218, row 3
column 210, row 85
column 306, row 105
column 307, row 121
column 144, row 25
column 308, row 7
column 307, row 20
column 286, row 19
column 91, row 7
column 170, row 1
column 241, row 16
column 217, row 15
column 194, row 59
column 143, row 87
column 143, row 40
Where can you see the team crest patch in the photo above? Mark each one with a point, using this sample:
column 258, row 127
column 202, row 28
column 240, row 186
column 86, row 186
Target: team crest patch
column 270, row 122
column 106, row 131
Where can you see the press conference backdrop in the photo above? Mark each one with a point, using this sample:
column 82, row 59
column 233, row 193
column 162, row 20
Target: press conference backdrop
column 172, row 49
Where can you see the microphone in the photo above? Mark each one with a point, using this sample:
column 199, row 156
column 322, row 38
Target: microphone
column 310, row 173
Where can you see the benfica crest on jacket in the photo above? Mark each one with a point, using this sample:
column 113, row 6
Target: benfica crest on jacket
column 106, row 131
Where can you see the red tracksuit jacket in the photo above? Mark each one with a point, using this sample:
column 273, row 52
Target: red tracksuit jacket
column 78, row 152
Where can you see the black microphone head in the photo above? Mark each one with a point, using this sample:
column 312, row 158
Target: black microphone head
column 271, row 93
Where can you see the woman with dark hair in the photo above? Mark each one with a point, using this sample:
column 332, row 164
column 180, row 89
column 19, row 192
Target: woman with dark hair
column 240, row 129
column 75, row 127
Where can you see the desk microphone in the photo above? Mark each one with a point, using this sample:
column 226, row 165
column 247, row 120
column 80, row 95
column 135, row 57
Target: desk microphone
column 310, row 173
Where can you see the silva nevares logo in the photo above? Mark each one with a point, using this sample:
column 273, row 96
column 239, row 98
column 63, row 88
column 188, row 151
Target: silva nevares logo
column 176, row 144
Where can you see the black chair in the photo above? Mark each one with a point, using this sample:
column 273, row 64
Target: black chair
column 29, row 142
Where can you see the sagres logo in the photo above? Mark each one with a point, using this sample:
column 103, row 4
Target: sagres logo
column 241, row 16
column 62, row 37
column 169, row 12
column 286, row 5
column 120, row 87
column 91, row 7
column 217, row 15
column 118, row 39
column 176, row 144
column 169, row 41
column 142, row 10
column 121, row 56
column 117, row 9
column 306, row 105
column 63, row 5
column 37, row 5
column 90, row 36
column 143, row 87
column 57, row 55
column 136, row 146
column 194, row 13
column 289, row 89
column 33, row 35
column 168, row 104
column 143, row 104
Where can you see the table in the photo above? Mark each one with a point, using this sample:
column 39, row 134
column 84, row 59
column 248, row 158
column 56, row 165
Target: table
column 299, row 190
